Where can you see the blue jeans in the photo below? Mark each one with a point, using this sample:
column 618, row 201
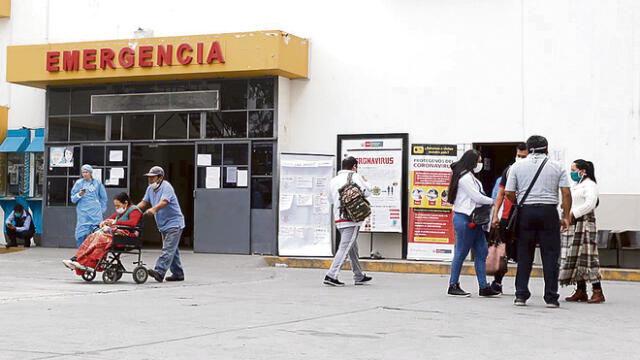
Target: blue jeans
column 170, row 257
column 467, row 239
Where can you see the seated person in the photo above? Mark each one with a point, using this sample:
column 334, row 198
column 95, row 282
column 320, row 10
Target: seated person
column 96, row 245
column 19, row 224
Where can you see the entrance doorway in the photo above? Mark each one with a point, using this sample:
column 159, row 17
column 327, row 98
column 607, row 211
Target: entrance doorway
column 497, row 156
column 178, row 164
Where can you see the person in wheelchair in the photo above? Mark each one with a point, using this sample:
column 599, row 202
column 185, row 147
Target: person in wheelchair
column 99, row 242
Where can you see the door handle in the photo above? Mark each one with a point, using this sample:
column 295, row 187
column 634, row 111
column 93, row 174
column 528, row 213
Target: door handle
column 194, row 194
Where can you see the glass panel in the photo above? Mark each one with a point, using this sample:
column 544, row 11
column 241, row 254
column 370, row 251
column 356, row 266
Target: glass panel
column 116, row 127
column 236, row 154
column 137, row 127
column 75, row 170
column 59, row 101
column 227, row 124
column 262, row 159
column 58, row 129
column 194, row 126
column 229, row 178
column 39, row 174
column 93, row 155
column 70, row 182
column 155, row 102
column 261, row 124
column 215, row 150
column 261, row 193
column 81, row 99
column 119, row 178
column 56, row 191
column 117, row 155
column 15, row 172
column 171, row 126
column 54, row 170
column 88, row 128
column 202, row 177
column 234, row 95
column 260, row 94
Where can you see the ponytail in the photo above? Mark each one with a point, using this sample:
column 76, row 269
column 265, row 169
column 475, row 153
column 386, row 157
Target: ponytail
column 588, row 167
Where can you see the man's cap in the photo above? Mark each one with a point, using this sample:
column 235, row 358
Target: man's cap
column 155, row 171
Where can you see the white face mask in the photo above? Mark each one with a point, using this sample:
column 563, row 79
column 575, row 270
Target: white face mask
column 478, row 168
column 519, row 159
column 120, row 211
column 154, row 186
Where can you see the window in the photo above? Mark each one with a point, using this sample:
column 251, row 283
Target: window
column 260, row 94
column 227, row 124
column 57, row 191
column 235, row 154
column 38, row 176
column 59, row 99
column 261, row 124
column 93, row 155
column 234, row 95
column 171, row 125
column 58, row 129
column 261, row 193
column 262, row 175
column 208, row 163
column 15, row 173
column 262, row 159
column 194, row 125
column 137, row 127
column 85, row 128
column 116, row 127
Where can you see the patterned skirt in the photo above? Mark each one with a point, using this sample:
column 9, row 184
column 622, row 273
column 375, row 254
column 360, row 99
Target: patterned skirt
column 580, row 260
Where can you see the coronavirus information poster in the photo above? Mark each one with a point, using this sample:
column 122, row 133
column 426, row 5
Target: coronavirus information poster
column 380, row 163
column 431, row 235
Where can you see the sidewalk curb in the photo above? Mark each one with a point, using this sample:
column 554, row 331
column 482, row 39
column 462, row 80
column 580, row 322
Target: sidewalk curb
column 428, row 267
column 11, row 250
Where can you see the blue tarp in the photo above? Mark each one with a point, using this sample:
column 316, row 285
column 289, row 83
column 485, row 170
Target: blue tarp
column 16, row 141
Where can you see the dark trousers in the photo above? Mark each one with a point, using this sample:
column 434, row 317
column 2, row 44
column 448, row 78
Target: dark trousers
column 538, row 224
column 12, row 234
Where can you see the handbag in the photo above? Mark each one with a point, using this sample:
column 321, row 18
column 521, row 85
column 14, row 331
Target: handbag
column 497, row 259
column 481, row 215
column 513, row 217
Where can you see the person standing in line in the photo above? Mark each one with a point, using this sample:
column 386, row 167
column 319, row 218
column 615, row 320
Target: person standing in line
column 348, row 229
column 501, row 215
column 465, row 192
column 90, row 198
column 538, row 221
column 581, row 264
column 161, row 201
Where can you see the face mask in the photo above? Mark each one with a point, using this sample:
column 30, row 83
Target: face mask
column 519, row 159
column 120, row 211
column 575, row 176
column 154, row 186
column 478, row 168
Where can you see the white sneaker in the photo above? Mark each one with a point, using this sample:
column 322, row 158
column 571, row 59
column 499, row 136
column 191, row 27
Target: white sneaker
column 68, row 263
column 78, row 265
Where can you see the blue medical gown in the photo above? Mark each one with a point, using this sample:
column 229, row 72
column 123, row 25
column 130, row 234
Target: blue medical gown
column 89, row 207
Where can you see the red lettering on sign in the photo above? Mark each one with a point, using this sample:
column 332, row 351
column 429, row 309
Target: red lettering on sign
column 215, row 53
column 89, row 59
column 180, row 54
column 71, row 60
column 106, row 58
column 200, row 52
column 126, row 57
column 144, row 56
column 165, row 55
column 53, row 59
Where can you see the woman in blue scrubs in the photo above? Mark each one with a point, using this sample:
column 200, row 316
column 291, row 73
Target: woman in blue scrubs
column 90, row 198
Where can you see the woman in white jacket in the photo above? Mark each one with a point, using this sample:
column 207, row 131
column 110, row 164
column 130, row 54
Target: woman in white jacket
column 581, row 265
column 466, row 194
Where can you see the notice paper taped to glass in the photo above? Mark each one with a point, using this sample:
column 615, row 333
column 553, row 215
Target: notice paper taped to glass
column 204, row 159
column 243, row 176
column 212, row 179
column 232, row 175
column 117, row 173
column 97, row 174
column 115, row 156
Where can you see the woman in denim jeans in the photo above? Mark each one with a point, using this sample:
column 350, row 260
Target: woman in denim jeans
column 465, row 193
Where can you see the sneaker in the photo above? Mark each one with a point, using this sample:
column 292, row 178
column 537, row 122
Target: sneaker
column 488, row 292
column 69, row 264
column 365, row 279
column 520, row 302
column 154, row 274
column 77, row 265
column 456, row 290
column 553, row 304
column 175, row 278
column 332, row 282
column 496, row 287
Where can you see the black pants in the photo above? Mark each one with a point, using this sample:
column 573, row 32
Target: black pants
column 13, row 234
column 538, row 224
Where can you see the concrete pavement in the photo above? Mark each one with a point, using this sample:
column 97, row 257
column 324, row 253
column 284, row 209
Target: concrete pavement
column 237, row 307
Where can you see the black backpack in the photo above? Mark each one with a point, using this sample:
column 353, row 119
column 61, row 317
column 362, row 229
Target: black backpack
column 353, row 205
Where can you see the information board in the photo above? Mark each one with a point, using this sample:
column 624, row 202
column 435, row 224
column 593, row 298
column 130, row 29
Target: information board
column 304, row 226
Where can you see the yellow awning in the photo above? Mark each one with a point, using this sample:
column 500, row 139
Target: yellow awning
column 180, row 57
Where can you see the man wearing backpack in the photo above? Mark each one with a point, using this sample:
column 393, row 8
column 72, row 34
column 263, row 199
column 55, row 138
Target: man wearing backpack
column 347, row 193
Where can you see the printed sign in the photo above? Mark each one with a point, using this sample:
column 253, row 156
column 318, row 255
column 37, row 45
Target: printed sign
column 61, row 156
column 431, row 235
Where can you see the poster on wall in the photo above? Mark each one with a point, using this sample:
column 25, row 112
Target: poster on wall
column 380, row 163
column 431, row 235
column 61, row 156
column 304, row 226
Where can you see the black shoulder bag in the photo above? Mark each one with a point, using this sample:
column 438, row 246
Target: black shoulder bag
column 513, row 218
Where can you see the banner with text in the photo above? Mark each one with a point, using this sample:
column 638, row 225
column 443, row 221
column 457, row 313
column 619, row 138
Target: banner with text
column 431, row 235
